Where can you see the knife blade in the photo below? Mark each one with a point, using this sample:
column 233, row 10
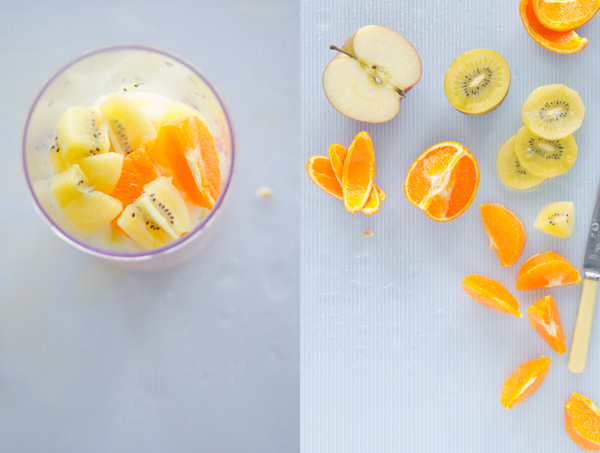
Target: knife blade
column 585, row 315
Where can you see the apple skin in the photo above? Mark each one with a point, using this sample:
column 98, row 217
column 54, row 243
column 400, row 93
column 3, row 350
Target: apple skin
column 349, row 46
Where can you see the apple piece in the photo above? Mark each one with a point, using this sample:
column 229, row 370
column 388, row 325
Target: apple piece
column 371, row 73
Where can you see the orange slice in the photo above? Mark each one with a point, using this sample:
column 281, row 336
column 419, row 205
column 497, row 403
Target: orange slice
column 524, row 381
column 506, row 232
column 358, row 173
column 491, row 293
column 373, row 203
column 544, row 318
column 443, row 181
column 337, row 157
column 565, row 15
column 567, row 42
column 582, row 420
column 319, row 169
column 186, row 150
column 138, row 170
column 547, row 270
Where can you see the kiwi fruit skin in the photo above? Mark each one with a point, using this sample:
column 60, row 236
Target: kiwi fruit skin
column 557, row 219
column 508, row 162
column 523, row 150
column 548, row 95
column 448, row 82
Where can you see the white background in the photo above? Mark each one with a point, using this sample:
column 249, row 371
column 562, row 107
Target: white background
column 200, row 358
column 395, row 356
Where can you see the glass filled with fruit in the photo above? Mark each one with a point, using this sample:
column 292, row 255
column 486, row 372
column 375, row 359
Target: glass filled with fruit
column 128, row 153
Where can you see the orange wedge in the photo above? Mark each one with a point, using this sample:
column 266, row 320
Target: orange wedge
column 186, row 150
column 565, row 16
column 443, row 181
column 358, row 173
column 337, row 157
column 373, row 203
column 565, row 42
column 491, row 293
column 582, row 421
column 319, row 169
column 544, row 318
column 138, row 170
column 547, row 270
column 524, row 381
column 506, row 232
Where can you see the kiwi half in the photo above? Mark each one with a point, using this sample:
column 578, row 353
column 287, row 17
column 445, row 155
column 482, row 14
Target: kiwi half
column 477, row 82
column 545, row 157
column 511, row 171
column 553, row 111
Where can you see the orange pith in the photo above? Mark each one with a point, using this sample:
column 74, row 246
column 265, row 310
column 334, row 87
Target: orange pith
column 565, row 16
column 138, row 170
column 524, row 381
column 442, row 182
column 544, row 318
column 186, row 150
column 319, row 169
column 358, row 173
column 567, row 42
column 506, row 232
column 547, row 270
column 582, row 421
column 491, row 293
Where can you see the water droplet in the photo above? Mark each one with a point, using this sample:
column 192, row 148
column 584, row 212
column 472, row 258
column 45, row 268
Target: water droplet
column 595, row 227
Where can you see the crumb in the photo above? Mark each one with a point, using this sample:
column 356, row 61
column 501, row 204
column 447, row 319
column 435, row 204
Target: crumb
column 368, row 233
column 264, row 192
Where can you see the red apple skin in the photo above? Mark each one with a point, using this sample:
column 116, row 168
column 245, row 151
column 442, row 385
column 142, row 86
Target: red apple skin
column 348, row 45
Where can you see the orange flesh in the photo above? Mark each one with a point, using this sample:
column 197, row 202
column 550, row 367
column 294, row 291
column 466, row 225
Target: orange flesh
column 358, row 173
column 320, row 171
column 506, row 232
column 547, row 270
column 582, row 421
column 491, row 293
column 544, row 318
column 443, row 181
column 556, row 41
column 138, row 170
column 524, row 381
column 565, row 16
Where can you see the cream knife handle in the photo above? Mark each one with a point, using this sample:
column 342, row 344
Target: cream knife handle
column 583, row 327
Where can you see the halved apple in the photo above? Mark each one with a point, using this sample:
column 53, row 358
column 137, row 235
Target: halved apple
column 371, row 74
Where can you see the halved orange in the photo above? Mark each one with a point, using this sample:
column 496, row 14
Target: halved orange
column 443, row 181
column 565, row 15
column 138, row 170
column 319, row 169
column 186, row 150
column 491, row 293
column 358, row 173
column 567, row 42
column 506, row 232
column 524, row 381
column 547, row 270
column 544, row 318
column 582, row 421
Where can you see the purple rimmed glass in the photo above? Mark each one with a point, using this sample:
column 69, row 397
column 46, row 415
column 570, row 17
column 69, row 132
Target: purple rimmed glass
column 99, row 72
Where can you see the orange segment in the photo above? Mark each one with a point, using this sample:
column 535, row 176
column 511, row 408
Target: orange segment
column 337, row 157
column 547, row 270
column 373, row 204
column 442, row 182
column 319, row 169
column 524, row 381
column 567, row 42
column 565, row 16
column 138, row 170
column 491, row 293
column 544, row 318
column 186, row 150
column 582, row 421
column 506, row 232
column 358, row 173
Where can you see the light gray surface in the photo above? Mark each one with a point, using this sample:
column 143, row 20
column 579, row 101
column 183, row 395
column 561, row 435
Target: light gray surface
column 395, row 356
column 203, row 357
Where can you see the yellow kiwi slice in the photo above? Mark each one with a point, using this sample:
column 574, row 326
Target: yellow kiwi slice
column 553, row 111
column 545, row 157
column 510, row 170
column 557, row 219
column 477, row 82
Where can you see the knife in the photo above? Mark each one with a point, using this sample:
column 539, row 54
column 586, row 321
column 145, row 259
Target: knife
column 585, row 315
